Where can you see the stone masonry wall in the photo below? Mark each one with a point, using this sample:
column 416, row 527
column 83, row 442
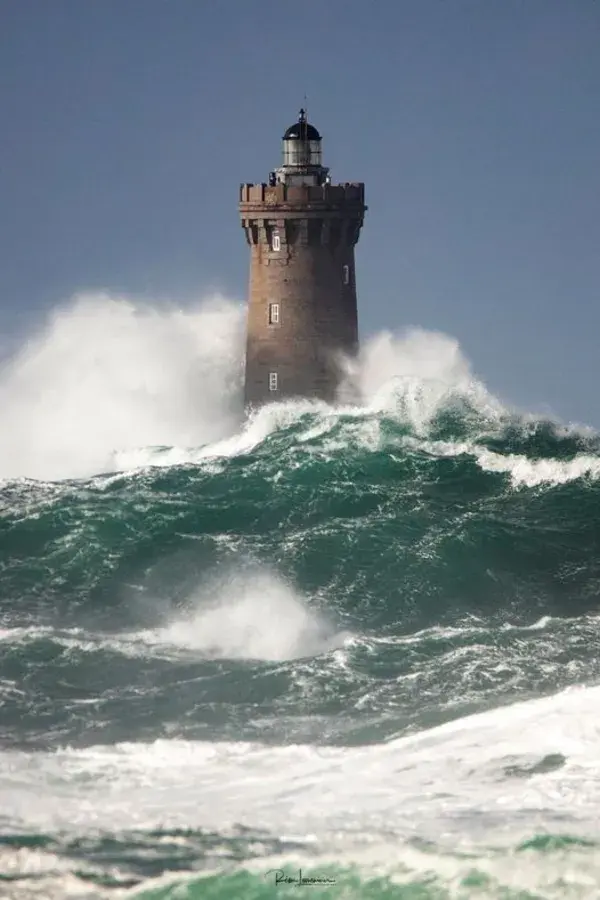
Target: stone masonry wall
column 311, row 277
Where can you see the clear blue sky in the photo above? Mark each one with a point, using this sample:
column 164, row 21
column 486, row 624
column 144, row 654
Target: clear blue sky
column 127, row 126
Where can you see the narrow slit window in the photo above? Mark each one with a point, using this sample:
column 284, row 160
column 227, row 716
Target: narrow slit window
column 346, row 274
column 276, row 241
column 273, row 313
column 272, row 381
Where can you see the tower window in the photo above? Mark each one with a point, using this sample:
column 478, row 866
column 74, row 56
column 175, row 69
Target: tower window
column 276, row 243
column 346, row 274
column 273, row 313
column 272, row 381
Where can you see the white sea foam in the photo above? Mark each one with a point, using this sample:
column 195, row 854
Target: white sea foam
column 111, row 384
column 533, row 472
column 459, row 781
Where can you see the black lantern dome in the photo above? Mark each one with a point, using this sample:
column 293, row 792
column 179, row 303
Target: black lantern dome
column 301, row 130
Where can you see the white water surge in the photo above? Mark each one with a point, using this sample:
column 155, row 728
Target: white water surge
column 111, row 384
column 483, row 782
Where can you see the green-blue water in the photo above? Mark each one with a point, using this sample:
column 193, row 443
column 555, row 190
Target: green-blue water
column 337, row 643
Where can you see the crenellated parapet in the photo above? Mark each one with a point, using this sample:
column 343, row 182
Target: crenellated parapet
column 327, row 214
column 284, row 194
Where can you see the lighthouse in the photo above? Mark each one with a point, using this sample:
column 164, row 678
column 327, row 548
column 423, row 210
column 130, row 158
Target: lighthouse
column 302, row 305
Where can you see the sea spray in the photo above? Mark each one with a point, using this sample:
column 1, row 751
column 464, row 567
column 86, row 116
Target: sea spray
column 108, row 374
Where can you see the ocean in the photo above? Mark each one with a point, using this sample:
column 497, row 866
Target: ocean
column 342, row 651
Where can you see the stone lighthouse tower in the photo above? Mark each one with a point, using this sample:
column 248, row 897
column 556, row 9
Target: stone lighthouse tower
column 302, row 309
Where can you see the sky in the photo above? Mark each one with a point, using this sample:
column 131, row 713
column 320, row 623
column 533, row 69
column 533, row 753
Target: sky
column 128, row 125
